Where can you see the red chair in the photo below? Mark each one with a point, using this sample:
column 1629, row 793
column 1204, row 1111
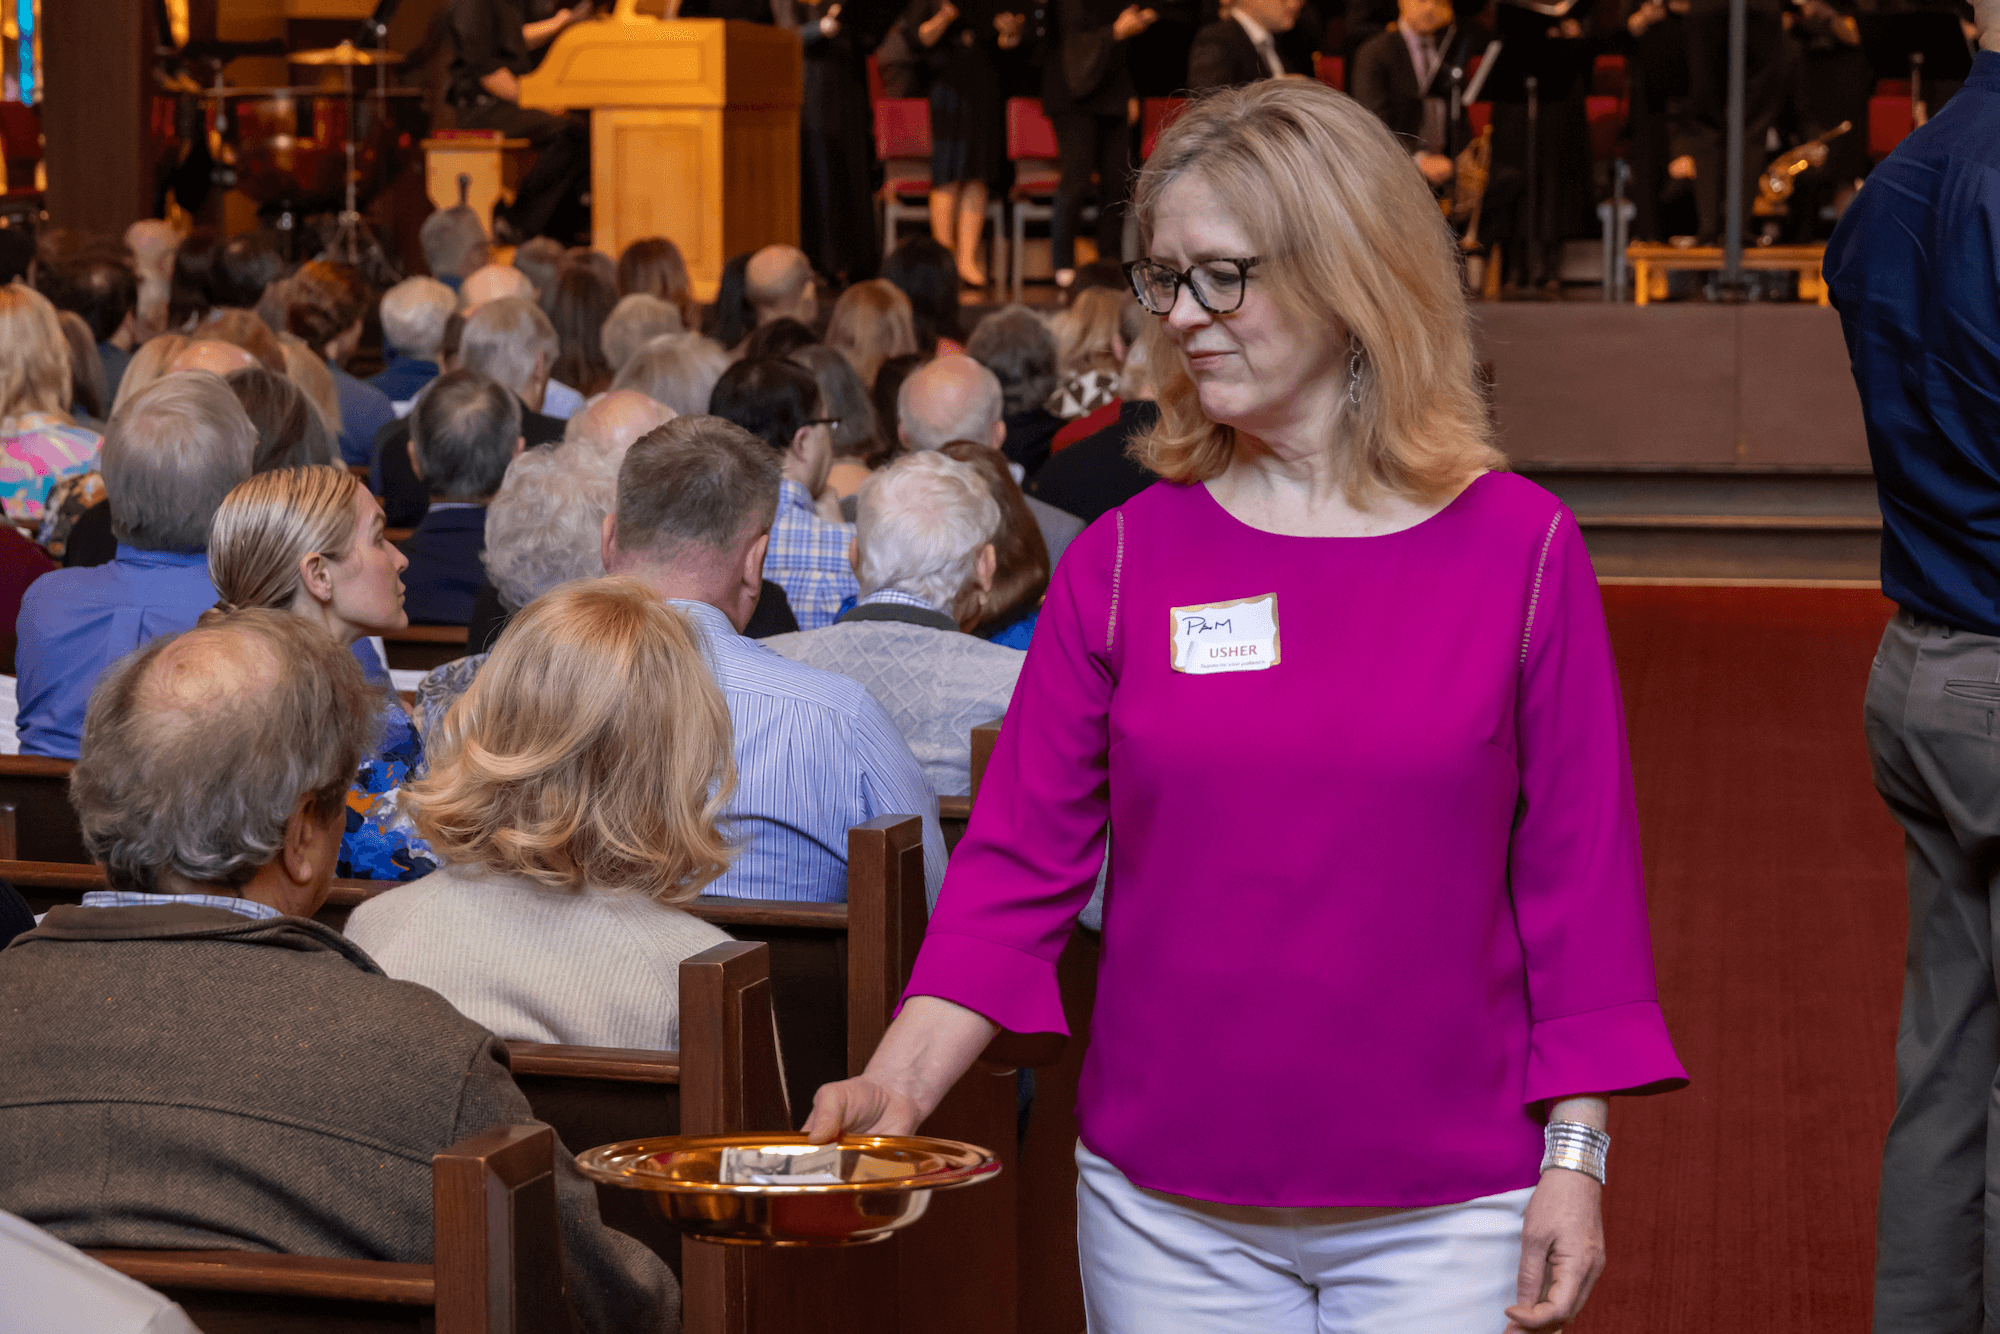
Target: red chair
column 1031, row 147
column 21, row 134
column 1155, row 114
column 874, row 80
column 1890, row 121
column 1478, row 115
column 1608, row 78
column 1331, row 71
column 1606, row 116
column 903, row 142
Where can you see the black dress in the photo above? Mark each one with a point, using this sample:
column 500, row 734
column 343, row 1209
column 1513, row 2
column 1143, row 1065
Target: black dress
column 837, row 135
column 968, row 127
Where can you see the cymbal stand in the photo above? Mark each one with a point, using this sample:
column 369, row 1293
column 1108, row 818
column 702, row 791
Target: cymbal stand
column 353, row 242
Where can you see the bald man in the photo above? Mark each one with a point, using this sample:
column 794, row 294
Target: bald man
column 956, row 398
column 491, row 282
column 609, row 424
column 779, row 283
column 207, row 354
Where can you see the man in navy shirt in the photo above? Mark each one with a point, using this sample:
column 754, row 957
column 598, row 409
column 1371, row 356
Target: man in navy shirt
column 1914, row 268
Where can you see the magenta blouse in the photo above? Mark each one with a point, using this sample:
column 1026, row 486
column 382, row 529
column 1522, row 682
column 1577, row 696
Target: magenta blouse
column 1370, row 902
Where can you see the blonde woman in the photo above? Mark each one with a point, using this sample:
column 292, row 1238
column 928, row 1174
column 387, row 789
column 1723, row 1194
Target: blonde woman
column 574, row 797
column 310, row 541
column 871, row 323
column 1342, row 693
column 1089, row 350
column 40, row 443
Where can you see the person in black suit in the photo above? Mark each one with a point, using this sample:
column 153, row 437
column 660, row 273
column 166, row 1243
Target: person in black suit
column 493, row 44
column 1243, row 47
column 1402, row 74
column 464, row 431
column 1090, row 98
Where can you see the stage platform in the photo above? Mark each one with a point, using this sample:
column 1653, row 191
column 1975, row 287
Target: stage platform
column 1693, row 441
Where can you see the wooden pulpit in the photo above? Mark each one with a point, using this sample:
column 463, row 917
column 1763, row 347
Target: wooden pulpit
column 694, row 131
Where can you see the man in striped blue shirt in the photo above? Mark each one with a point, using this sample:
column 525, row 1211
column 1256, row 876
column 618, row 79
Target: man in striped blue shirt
column 815, row 754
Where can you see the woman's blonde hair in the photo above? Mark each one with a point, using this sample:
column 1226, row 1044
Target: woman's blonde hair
column 1085, row 330
column 1349, row 237
column 266, row 526
column 593, row 749
column 871, row 323
column 34, row 355
column 304, row 368
column 148, row 364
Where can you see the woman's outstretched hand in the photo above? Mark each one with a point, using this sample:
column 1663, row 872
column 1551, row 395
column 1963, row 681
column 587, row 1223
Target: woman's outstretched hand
column 860, row 1106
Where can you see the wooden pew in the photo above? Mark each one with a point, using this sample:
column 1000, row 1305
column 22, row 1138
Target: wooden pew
column 496, row 1266
column 37, row 823
column 419, row 648
column 954, row 812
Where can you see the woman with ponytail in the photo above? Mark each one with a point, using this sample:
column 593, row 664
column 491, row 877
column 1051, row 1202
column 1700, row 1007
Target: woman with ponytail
column 310, row 541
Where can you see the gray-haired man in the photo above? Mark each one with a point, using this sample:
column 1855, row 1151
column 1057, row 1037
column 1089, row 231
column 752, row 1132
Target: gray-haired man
column 191, row 1062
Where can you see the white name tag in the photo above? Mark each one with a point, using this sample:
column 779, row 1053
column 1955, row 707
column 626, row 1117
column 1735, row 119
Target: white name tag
column 1239, row 636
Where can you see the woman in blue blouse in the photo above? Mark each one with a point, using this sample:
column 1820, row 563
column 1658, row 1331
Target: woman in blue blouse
column 311, row 541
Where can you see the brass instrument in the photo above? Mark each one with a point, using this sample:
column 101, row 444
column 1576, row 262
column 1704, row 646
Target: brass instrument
column 1774, row 185
column 1474, row 166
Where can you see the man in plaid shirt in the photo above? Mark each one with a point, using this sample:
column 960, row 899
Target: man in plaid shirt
column 779, row 403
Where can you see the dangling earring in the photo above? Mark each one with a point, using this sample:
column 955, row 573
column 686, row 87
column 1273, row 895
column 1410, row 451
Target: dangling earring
column 1354, row 377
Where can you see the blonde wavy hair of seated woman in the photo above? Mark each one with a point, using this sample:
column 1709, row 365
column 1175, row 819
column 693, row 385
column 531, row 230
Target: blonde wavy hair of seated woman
column 1086, row 332
column 871, row 323
column 267, row 527
column 1348, row 237
column 34, row 355
column 593, row 749
column 148, row 364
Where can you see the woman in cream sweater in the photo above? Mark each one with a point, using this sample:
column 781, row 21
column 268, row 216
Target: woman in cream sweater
column 573, row 796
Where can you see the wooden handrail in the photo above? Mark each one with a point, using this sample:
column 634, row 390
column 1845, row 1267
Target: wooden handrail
column 427, row 634
column 625, row 1065
column 308, row 1275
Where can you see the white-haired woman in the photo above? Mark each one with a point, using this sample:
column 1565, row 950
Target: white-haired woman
column 310, row 541
column 924, row 555
column 1344, row 696
column 574, row 795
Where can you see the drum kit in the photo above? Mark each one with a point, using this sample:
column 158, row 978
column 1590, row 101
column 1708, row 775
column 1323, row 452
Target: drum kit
column 313, row 150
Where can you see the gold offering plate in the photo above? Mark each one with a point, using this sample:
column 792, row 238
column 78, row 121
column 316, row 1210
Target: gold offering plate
column 888, row 1184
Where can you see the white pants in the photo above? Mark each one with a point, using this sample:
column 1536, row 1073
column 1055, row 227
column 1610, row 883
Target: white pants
column 1166, row 1264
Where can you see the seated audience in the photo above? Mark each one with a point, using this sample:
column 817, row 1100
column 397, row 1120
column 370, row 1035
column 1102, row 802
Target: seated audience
column 270, row 1089
column 539, row 257
column 778, row 282
column 872, row 323
column 414, row 313
column 40, row 443
column 653, row 266
column 326, row 306
column 635, row 321
column 956, row 398
column 212, row 355
column 188, row 301
column 100, row 288
column 1133, row 322
column 310, row 541
column 1098, row 473
column 454, row 244
column 290, row 431
column 676, row 370
column 582, row 301
column 1020, row 557
column 856, row 436
column 242, row 329
column 1088, row 350
column 777, row 338
column 171, row 455
column 779, row 403
column 815, row 754
column 148, row 364
column 544, row 528
column 730, row 319
column 888, row 387
column 1018, row 348
column 465, row 430
column 507, row 339
column 151, row 244
column 924, row 554
column 573, row 796
column 305, row 368
column 89, row 401
column 924, row 270
column 243, row 268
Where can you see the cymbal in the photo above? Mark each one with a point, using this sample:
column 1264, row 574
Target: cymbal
column 347, row 53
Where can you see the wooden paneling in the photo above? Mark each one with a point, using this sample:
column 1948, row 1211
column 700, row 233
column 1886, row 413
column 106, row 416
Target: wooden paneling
column 94, row 113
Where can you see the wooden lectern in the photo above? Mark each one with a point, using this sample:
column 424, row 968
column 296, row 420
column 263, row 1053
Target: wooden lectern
column 694, row 131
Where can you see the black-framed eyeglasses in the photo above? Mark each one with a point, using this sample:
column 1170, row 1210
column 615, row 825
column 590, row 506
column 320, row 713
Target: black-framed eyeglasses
column 831, row 423
column 1218, row 284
